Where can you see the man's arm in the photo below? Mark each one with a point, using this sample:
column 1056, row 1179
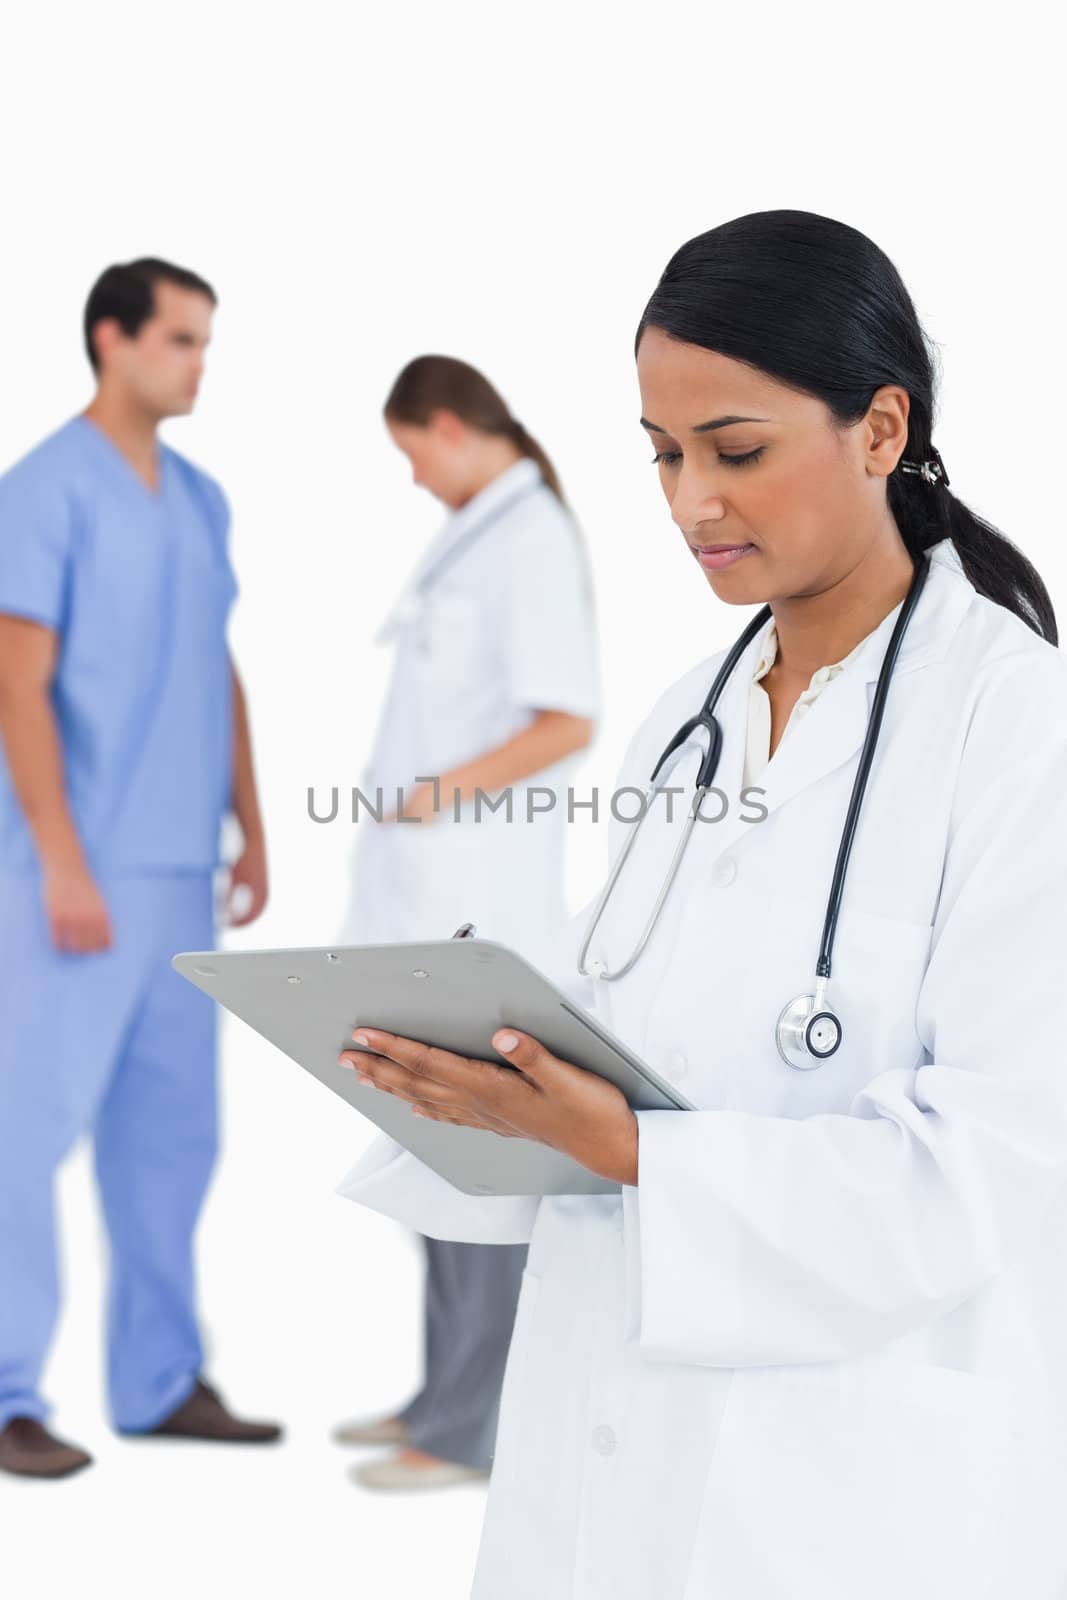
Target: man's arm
column 250, row 871
column 34, row 752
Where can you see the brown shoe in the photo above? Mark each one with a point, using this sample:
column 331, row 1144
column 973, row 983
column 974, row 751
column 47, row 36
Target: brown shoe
column 204, row 1416
column 30, row 1451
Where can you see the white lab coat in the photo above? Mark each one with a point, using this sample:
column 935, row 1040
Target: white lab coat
column 820, row 1349
column 492, row 626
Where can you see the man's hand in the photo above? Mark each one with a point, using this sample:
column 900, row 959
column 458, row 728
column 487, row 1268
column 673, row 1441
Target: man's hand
column 537, row 1096
column 248, row 886
column 76, row 910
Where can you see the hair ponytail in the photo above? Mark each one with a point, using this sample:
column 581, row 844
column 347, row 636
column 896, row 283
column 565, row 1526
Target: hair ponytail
column 926, row 513
column 533, row 451
column 441, row 383
column 819, row 306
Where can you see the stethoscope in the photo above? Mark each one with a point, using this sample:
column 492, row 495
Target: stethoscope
column 409, row 606
column 808, row 1031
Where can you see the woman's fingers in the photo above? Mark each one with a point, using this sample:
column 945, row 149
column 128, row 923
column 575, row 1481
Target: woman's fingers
column 482, row 1085
column 464, row 1120
column 442, row 1101
column 512, row 1100
column 428, row 1063
column 536, row 1095
column 437, row 1101
column 384, row 1073
column 538, row 1066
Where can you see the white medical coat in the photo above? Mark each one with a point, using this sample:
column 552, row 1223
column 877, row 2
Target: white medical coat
column 496, row 622
column 820, row 1349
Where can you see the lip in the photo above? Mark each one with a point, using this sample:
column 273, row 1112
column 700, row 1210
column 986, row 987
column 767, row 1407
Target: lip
column 712, row 557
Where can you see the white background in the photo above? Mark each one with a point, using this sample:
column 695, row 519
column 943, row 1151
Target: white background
column 503, row 183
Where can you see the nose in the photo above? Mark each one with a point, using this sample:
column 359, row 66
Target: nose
column 694, row 502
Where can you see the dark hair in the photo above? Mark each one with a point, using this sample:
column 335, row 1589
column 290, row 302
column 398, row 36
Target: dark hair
column 128, row 293
column 441, row 383
column 819, row 306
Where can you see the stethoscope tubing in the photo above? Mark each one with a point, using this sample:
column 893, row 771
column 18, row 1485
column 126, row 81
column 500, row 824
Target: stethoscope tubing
column 471, row 534
column 848, row 832
column 706, row 719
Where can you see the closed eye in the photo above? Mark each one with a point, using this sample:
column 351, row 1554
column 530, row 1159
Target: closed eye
column 670, row 458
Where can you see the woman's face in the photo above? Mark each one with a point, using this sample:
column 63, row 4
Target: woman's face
column 436, row 454
column 780, row 504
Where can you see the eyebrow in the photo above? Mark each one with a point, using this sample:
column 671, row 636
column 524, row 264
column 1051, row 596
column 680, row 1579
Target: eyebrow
column 705, row 427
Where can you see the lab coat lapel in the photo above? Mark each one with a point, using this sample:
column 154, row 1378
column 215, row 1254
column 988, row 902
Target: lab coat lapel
column 836, row 724
column 831, row 733
column 406, row 606
column 407, row 603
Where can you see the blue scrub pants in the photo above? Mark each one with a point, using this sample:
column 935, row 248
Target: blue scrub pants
column 116, row 1044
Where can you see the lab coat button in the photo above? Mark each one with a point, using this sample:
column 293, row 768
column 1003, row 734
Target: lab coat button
column 604, row 1441
column 724, row 872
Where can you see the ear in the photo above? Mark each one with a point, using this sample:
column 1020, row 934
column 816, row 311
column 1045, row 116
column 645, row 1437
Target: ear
column 105, row 336
column 887, row 429
column 448, row 426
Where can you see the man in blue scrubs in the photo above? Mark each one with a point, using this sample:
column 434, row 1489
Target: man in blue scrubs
column 123, row 743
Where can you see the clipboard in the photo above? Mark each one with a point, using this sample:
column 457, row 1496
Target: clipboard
column 454, row 993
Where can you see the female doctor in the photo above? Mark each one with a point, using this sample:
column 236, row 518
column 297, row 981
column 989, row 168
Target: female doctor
column 815, row 1346
column 477, row 700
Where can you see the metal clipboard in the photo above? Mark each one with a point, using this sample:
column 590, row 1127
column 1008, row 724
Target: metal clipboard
column 454, row 993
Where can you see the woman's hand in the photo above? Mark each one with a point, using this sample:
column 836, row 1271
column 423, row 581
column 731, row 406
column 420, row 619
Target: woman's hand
column 543, row 1098
column 419, row 806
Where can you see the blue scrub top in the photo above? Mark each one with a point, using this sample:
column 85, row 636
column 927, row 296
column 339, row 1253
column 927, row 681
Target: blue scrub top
column 139, row 587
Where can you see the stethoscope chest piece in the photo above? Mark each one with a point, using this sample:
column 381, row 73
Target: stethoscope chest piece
column 807, row 1037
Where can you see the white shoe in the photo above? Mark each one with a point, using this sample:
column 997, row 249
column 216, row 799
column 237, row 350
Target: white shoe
column 395, row 1474
column 384, row 1430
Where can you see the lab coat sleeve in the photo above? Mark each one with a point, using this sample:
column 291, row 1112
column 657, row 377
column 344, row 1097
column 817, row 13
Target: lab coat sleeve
column 35, row 545
column 549, row 626
column 391, row 1180
column 754, row 1240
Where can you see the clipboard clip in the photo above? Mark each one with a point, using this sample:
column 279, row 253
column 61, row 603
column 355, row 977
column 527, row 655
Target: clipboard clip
column 467, row 931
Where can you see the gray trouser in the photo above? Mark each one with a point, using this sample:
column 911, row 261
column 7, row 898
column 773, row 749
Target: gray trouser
column 471, row 1294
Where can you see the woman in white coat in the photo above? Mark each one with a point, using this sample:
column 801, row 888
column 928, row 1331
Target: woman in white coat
column 477, row 701
column 816, row 1345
